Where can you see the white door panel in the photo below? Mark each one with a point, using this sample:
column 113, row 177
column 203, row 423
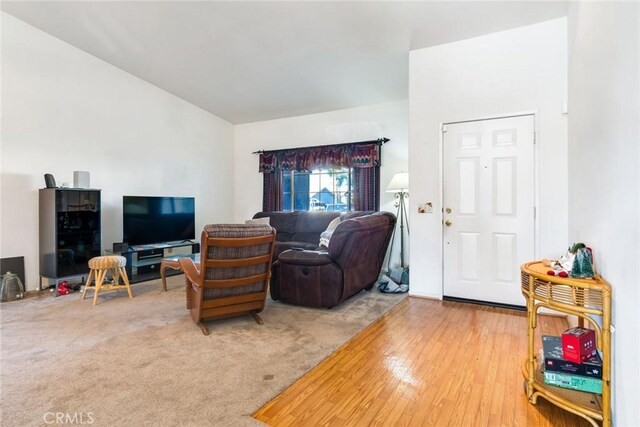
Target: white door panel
column 489, row 190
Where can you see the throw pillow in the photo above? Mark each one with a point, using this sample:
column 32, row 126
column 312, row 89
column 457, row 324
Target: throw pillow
column 325, row 236
column 264, row 220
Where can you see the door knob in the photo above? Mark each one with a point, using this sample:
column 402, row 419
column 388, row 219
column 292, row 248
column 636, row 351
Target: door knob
column 448, row 223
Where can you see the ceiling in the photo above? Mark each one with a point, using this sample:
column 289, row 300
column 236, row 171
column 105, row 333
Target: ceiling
column 252, row 61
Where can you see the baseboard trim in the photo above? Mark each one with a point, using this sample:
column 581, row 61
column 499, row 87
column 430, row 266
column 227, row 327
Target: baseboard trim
column 486, row 303
column 425, row 296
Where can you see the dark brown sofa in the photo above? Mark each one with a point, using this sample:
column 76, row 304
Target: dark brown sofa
column 302, row 230
column 325, row 278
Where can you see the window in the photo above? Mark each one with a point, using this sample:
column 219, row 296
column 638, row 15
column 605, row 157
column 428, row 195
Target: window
column 338, row 177
column 318, row 190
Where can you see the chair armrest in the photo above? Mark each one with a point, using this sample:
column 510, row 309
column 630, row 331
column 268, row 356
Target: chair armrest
column 190, row 270
column 309, row 258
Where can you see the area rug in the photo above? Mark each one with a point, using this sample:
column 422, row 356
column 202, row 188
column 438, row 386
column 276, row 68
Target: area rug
column 144, row 362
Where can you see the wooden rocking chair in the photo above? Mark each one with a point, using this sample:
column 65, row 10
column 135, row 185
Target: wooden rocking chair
column 234, row 272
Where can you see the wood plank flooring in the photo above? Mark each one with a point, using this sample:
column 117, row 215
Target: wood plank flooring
column 425, row 362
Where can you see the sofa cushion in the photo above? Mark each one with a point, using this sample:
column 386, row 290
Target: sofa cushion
column 304, row 257
column 283, row 222
column 303, row 228
column 311, row 224
column 360, row 225
column 285, row 246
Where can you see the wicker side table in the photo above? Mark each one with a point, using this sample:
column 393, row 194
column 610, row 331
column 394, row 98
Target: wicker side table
column 590, row 301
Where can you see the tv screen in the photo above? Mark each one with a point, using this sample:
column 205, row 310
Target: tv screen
column 148, row 220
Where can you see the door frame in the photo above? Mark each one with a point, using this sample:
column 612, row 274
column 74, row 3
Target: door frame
column 536, row 177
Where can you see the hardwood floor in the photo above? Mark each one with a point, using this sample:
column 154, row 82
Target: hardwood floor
column 428, row 363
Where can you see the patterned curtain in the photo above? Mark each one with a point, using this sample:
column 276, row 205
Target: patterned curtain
column 364, row 158
column 268, row 162
column 366, row 189
column 272, row 191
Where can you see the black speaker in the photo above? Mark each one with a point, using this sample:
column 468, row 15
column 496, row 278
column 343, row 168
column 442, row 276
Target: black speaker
column 49, row 181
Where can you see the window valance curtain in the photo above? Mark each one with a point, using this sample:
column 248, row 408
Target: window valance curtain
column 357, row 155
column 363, row 157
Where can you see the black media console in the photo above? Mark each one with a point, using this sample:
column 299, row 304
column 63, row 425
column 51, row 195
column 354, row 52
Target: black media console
column 143, row 262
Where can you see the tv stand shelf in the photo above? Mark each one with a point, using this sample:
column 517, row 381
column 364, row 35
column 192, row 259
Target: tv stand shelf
column 143, row 261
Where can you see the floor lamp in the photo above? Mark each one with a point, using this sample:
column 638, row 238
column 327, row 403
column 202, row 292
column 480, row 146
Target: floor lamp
column 400, row 186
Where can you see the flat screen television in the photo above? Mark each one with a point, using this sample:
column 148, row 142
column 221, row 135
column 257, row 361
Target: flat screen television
column 149, row 219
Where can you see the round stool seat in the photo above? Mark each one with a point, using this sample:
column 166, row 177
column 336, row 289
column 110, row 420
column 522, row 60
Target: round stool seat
column 105, row 262
column 99, row 267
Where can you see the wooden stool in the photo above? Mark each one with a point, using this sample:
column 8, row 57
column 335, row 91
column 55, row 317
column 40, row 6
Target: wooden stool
column 99, row 266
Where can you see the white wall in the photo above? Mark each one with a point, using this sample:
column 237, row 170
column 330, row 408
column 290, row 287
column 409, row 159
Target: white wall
column 64, row 110
column 519, row 70
column 354, row 124
column 604, row 160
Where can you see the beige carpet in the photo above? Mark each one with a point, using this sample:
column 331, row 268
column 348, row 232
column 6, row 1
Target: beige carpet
column 144, row 362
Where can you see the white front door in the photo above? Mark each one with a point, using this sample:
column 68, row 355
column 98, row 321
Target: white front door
column 488, row 218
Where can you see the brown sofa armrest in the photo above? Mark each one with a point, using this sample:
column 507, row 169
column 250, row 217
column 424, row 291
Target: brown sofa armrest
column 310, row 258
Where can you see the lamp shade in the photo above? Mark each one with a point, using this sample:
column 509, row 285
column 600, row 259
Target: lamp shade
column 399, row 182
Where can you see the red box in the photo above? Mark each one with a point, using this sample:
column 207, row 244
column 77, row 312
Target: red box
column 578, row 344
